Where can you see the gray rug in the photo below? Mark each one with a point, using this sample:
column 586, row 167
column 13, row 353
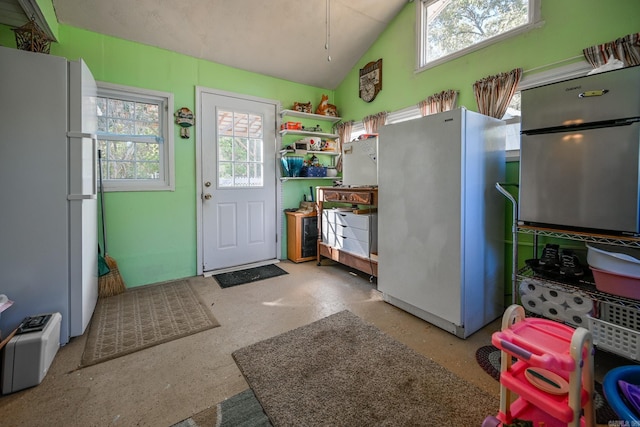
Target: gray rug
column 243, row 409
column 342, row 371
column 143, row 317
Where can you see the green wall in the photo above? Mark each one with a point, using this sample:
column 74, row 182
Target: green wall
column 152, row 235
column 568, row 27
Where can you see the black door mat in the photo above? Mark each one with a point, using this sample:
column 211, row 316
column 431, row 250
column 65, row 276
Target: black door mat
column 240, row 277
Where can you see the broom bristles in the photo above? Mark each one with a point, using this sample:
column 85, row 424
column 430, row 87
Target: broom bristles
column 111, row 283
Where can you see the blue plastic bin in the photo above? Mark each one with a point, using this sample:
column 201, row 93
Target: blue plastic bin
column 613, row 394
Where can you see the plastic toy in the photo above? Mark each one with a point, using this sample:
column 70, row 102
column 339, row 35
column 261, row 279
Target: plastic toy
column 552, row 376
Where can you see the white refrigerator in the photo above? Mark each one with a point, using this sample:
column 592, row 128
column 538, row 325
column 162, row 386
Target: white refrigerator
column 441, row 220
column 48, row 220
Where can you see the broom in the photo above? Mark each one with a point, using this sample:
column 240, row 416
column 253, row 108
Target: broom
column 111, row 283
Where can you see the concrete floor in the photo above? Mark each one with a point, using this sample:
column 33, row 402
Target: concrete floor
column 162, row 385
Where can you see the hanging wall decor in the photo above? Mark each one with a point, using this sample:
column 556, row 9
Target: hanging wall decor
column 184, row 118
column 370, row 83
column 30, row 37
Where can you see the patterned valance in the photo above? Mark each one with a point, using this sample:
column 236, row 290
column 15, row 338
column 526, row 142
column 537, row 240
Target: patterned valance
column 494, row 93
column 439, row 102
column 625, row 49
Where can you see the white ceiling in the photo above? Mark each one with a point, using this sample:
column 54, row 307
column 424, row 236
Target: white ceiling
column 279, row 38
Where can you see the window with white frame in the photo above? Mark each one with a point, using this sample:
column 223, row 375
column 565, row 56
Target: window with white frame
column 135, row 138
column 448, row 29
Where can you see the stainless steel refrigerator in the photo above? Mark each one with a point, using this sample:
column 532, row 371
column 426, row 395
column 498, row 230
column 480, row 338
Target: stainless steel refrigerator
column 441, row 220
column 580, row 153
column 48, row 220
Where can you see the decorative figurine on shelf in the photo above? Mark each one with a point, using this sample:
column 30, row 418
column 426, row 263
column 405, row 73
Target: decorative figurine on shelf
column 184, row 118
column 326, row 109
column 302, row 107
column 316, row 128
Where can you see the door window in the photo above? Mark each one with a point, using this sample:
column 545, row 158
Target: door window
column 241, row 149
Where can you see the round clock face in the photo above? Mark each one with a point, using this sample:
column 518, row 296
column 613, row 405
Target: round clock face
column 370, row 81
column 368, row 92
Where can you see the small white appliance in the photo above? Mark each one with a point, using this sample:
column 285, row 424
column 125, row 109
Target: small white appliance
column 49, row 245
column 28, row 355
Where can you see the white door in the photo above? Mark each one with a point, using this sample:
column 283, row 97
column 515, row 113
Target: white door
column 238, row 145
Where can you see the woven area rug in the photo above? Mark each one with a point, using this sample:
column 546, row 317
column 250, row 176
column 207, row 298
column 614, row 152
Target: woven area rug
column 250, row 275
column 342, row 371
column 143, row 317
column 488, row 357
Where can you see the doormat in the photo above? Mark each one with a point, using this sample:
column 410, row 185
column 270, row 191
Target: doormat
column 488, row 357
column 143, row 317
column 343, row 371
column 240, row 277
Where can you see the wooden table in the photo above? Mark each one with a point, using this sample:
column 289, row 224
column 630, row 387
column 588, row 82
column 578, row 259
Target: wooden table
column 361, row 199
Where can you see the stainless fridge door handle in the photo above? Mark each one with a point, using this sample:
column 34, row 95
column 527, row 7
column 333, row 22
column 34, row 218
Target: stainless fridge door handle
column 591, row 93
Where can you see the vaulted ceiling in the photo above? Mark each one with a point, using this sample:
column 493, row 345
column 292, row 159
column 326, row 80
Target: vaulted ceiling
column 281, row 38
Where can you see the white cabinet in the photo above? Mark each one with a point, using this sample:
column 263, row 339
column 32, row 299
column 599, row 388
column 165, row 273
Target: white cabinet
column 350, row 232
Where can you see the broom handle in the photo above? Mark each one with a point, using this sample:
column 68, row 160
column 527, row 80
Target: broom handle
column 104, row 227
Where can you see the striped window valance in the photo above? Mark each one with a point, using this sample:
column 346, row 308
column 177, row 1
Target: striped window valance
column 625, row 49
column 494, row 93
column 439, row 102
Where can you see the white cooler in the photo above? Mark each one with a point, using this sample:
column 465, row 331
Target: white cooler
column 27, row 356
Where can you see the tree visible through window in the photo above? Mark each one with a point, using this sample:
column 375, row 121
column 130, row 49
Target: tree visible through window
column 451, row 26
column 132, row 136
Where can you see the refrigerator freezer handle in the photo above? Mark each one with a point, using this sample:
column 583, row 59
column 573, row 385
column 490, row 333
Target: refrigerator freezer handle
column 81, row 135
column 94, row 144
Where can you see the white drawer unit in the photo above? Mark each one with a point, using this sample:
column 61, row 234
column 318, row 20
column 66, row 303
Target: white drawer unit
column 329, row 227
column 350, row 232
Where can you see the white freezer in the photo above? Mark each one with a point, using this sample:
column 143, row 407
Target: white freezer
column 441, row 220
column 48, row 250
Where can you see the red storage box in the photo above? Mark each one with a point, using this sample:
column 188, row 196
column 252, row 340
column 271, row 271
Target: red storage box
column 291, row 126
column 616, row 284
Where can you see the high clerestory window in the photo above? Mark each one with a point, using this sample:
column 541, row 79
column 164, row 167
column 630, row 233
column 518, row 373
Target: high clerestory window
column 448, row 29
column 135, row 138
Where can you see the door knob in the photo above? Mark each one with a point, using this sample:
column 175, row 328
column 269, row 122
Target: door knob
column 207, row 184
column 207, row 196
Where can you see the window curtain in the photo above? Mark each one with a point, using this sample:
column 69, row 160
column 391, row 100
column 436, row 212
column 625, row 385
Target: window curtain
column 439, row 102
column 344, row 134
column 494, row 93
column 626, row 49
column 373, row 122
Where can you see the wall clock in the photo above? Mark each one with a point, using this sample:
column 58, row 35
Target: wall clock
column 370, row 80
